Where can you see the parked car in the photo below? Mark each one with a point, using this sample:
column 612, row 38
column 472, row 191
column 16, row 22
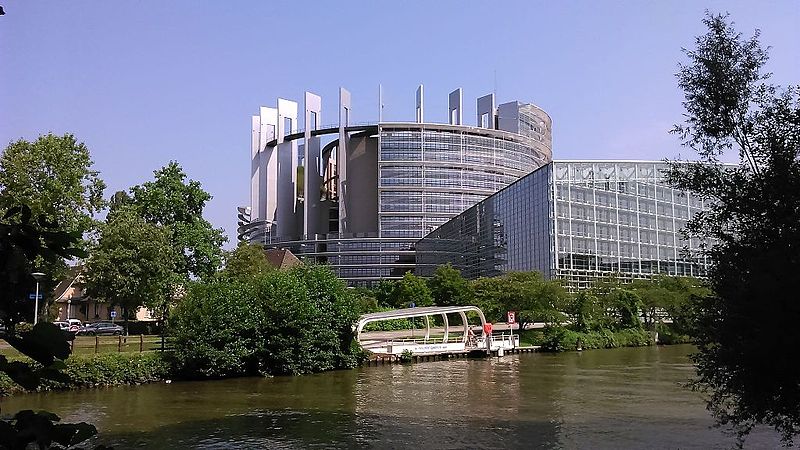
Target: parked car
column 64, row 326
column 74, row 324
column 101, row 328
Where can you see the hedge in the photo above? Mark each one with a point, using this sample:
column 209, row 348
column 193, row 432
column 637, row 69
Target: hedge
column 107, row 369
column 559, row 339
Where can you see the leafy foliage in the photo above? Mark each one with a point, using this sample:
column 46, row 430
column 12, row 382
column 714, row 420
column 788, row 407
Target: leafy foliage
column 176, row 204
column 559, row 339
column 40, row 428
column 132, row 263
column 107, row 369
column 279, row 322
column 21, row 242
column 246, row 261
column 403, row 292
column 746, row 333
column 53, row 177
column 449, row 288
column 527, row 293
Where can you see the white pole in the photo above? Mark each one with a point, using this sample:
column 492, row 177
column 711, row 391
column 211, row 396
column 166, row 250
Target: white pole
column 36, row 310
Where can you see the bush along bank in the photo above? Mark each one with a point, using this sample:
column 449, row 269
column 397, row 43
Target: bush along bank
column 275, row 323
column 102, row 370
column 559, row 339
column 281, row 322
column 566, row 338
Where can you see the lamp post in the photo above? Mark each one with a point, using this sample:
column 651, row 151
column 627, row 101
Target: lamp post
column 38, row 276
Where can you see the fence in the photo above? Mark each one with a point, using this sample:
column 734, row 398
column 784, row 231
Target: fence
column 109, row 344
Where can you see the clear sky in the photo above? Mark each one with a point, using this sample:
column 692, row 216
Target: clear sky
column 146, row 82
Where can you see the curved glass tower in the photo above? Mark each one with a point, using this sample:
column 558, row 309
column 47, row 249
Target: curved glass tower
column 382, row 186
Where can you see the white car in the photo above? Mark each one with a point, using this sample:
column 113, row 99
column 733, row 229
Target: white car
column 74, row 324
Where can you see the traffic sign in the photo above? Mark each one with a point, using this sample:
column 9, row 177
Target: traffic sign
column 512, row 318
column 33, row 296
column 113, row 314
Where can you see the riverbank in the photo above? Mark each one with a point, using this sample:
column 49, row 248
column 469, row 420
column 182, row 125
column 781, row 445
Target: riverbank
column 115, row 369
column 621, row 398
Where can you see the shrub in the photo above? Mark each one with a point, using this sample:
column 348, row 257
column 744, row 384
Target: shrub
column 669, row 334
column 102, row 370
column 115, row 368
column 559, row 339
column 389, row 325
column 280, row 322
column 406, row 356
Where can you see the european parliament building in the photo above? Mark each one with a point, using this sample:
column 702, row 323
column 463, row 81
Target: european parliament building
column 358, row 197
column 376, row 200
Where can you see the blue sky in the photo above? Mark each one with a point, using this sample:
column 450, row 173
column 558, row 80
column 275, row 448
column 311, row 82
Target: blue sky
column 146, row 82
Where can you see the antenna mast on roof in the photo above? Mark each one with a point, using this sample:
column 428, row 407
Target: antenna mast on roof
column 380, row 102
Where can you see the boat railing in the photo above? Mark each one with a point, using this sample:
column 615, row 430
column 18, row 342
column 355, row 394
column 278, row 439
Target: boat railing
column 432, row 340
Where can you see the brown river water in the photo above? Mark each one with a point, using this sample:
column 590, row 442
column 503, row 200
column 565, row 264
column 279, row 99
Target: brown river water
column 621, row 398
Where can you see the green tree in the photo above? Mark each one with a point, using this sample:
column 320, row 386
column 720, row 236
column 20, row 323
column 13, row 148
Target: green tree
column 533, row 298
column 665, row 296
column 747, row 332
column 132, row 263
column 585, row 310
column 21, row 241
column 247, row 261
column 527, row 293
column 177, row 204
column 53, row 177
column 627, row 305
column 384, row 293
column 410, row 289
column 489, row 294
column 449, row 288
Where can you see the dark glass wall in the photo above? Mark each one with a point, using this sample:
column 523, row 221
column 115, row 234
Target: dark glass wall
column 574, row 220
column 509, row 231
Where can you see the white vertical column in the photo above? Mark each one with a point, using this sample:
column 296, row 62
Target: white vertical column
column 380, row 103
column 341, row 158
column 312, row 173
column 256, row 180
column 420, row 108
column 268, row 171
column 287, row 169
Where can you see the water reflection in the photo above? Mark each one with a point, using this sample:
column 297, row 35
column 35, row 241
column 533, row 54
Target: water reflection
column 626, row 398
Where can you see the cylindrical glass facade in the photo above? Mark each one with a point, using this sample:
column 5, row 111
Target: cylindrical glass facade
column 426, row 174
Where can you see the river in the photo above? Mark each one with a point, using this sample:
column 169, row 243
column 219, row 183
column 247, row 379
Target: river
column 621, row 398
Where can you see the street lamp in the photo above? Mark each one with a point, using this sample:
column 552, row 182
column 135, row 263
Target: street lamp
column 39, row 276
